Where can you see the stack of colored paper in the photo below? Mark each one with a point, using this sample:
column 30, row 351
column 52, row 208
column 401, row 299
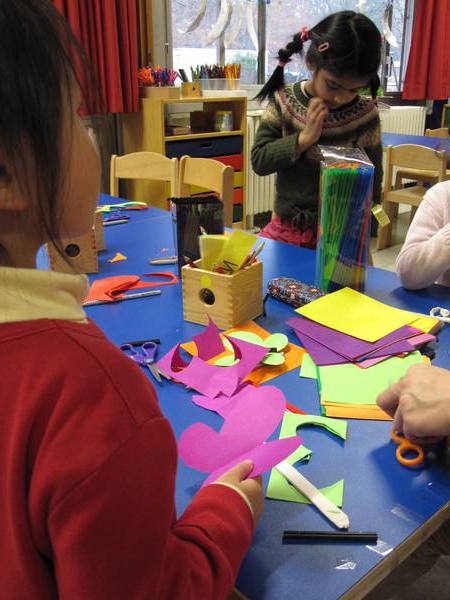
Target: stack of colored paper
column 346, row 183
column 357, row 348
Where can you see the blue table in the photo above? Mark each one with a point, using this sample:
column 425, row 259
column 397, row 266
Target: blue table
column 396, row 139
column 403, row 506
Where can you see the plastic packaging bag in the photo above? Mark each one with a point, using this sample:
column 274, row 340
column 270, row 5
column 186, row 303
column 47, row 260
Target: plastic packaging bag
column 346, row 183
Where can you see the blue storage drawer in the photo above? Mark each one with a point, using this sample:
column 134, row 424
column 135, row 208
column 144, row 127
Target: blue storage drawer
column 205, row 147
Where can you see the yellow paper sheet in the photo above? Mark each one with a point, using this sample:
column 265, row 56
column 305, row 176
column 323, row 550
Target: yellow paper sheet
column 211, row 249
column 293, row 355
column 427, row 324
column 356, row 314
column 236, row 250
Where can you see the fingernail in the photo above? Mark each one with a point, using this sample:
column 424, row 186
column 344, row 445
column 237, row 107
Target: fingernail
column 248, row 462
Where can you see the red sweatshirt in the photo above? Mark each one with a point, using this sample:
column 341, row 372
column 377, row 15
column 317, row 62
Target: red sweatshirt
column 87, row 475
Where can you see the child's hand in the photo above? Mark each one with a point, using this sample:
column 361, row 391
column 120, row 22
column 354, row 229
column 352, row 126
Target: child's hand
column 316, row 113
column 252, row 488
column 420, row 404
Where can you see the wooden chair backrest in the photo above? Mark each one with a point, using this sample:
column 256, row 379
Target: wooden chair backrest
column 413, row 157
column 442, row 132
column 143, row 165
column 211, row 175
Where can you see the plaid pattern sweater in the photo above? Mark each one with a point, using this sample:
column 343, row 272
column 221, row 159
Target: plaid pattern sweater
column 297, row 182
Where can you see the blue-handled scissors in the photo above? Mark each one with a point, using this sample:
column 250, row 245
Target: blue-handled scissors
column 145, row 357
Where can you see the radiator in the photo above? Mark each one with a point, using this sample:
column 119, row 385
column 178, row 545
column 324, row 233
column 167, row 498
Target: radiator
column 403, row 119
column 260, row 191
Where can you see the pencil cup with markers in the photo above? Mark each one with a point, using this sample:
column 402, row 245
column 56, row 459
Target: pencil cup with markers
column 227, row 290
column 346, row 183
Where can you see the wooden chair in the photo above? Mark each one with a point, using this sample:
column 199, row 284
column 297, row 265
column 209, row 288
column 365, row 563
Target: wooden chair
column 407, row 156
column 211, row 175
column 143, row 165
column 445, row 122
column 430, row 177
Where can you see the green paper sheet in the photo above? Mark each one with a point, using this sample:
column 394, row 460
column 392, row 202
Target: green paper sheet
column 308, row 367
column 350, row 384
column 279, row 488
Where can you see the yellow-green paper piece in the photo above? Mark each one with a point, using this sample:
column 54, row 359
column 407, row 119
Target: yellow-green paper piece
column 279, row 488
column 308, row 367
column 350, row 384
column 356, row 314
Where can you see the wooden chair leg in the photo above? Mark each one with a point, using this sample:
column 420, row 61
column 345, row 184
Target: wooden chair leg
column 385, row 233
column 412, row 214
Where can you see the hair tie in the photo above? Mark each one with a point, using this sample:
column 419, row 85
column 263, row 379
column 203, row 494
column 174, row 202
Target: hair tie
column 282, row 63
column 323, row 47
column 304, row 34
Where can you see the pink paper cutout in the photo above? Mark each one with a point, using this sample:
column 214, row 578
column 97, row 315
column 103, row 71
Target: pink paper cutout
column 251, row 421
column 222, row 405
column 209, row 343
column 211, row 380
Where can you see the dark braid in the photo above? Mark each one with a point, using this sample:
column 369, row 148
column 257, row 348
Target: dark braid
column 276, row 80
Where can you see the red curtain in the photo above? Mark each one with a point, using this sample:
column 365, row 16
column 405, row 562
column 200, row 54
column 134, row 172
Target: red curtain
column 428, row 71
column 107, row 30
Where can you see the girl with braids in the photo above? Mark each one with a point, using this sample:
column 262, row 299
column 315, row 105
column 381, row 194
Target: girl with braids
column 343, row 56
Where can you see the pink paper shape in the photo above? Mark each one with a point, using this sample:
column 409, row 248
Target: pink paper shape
column 211, row 380
column 251, row 421
column 347, row 345
column 209, row 343
column 222, row 405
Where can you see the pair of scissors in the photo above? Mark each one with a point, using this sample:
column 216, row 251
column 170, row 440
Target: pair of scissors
column 145, row 357
column 404, row 447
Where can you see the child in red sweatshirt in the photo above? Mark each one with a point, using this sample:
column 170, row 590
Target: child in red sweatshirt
column 87, row 460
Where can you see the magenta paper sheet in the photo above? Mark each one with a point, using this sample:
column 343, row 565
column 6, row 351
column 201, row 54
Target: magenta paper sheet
column 243, row 436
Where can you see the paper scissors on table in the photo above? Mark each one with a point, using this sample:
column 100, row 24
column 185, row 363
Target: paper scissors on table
column 145, row 356
column 405, row 446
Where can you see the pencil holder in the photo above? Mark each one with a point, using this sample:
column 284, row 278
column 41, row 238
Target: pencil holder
column 80, row 255
column 228, row 299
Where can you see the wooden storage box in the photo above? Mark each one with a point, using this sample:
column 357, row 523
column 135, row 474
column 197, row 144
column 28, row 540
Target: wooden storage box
column 191, row 89
column 81, row 255
column 228, row 299
column 167, row 91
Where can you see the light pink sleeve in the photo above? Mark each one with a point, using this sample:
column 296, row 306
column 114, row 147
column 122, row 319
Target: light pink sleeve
column 425, row 256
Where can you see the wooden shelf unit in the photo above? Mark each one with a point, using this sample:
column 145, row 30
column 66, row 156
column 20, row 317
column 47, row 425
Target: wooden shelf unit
column 146, row 131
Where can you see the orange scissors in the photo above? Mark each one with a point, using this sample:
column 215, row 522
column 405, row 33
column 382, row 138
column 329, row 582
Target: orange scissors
column 405, row 446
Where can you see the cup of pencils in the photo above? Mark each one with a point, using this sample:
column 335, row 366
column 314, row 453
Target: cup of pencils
column 158, row 82
column 218, row 77
column 346, row 183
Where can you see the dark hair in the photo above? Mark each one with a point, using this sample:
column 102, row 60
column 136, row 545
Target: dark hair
column 39, row 57
column 343, row 43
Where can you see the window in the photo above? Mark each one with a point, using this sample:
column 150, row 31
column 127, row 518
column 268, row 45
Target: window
column 270, row 24
column 238, row 43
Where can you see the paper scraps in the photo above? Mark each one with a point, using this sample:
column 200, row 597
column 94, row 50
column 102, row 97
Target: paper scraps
column 208, row 379
column 117, row 258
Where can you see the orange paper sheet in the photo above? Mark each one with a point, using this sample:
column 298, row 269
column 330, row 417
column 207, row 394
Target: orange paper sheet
column 293, row 355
